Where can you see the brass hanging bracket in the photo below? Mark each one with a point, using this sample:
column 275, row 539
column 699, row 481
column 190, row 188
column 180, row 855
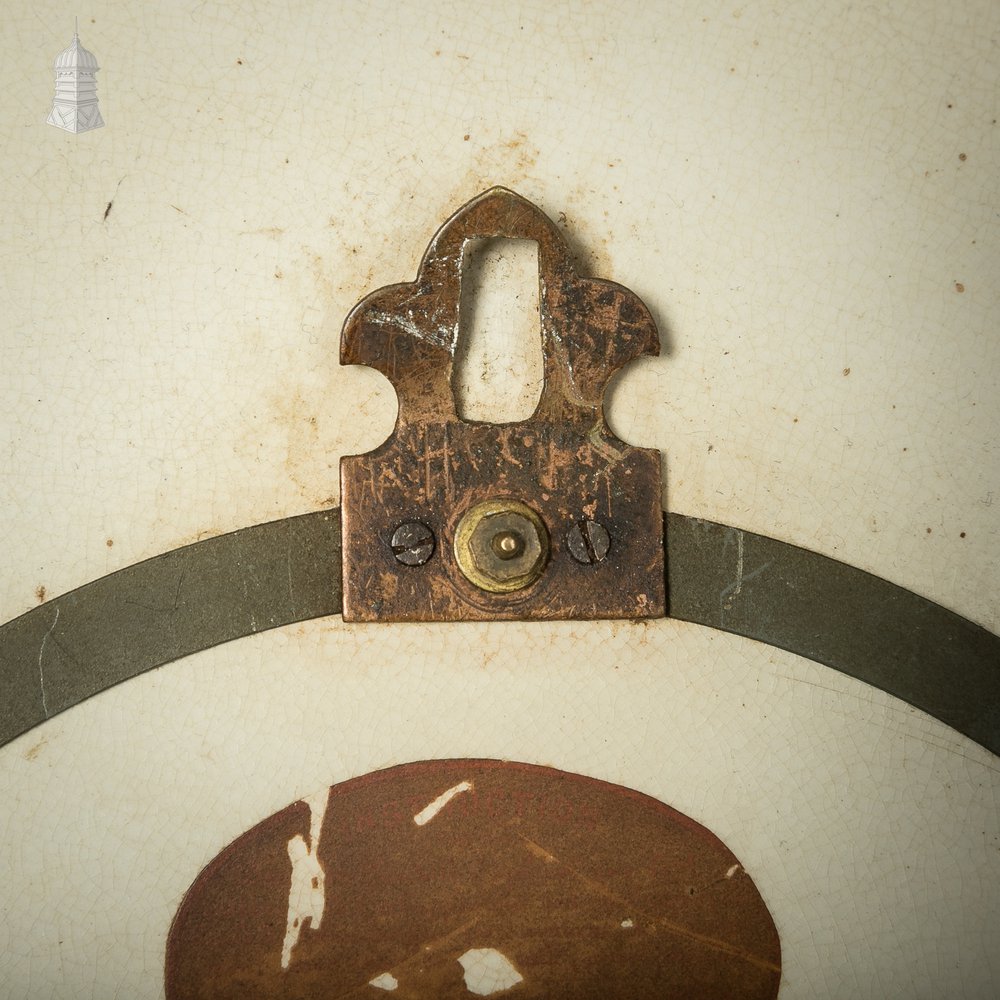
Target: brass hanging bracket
column 552, row 517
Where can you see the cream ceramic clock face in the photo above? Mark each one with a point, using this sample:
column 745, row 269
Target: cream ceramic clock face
column 797, row 194
column 869, row 828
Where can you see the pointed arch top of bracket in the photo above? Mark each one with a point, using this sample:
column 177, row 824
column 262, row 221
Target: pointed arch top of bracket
column 590, row 327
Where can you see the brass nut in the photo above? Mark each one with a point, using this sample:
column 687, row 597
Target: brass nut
column 501, row 545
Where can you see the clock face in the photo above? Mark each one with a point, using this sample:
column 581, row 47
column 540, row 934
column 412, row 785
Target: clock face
column 798, row 198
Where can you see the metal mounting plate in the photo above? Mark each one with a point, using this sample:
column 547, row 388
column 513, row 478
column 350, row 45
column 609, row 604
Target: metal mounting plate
column 563, row 462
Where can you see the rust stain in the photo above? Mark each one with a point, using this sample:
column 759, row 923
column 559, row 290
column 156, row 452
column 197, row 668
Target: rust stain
column 510, row 160
column 199, row 536
column 959, row 287
column 962, row 157
column 33, row 752
column 110, row 543
column 40, row 593
column 846, row 371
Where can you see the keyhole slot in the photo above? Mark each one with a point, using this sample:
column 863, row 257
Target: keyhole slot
column 499, row 367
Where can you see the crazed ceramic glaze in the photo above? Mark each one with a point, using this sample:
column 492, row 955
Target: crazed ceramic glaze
column 798, row 192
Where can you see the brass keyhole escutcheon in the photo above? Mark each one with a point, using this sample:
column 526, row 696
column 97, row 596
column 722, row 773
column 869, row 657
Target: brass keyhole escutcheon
column 501, row 546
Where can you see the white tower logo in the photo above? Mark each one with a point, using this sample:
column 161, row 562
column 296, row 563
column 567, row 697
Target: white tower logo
column 74, row 107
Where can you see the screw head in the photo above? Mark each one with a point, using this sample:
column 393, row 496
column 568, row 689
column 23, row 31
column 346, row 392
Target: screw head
column 501, row 546
column 508, row 544
column 588, row 542
column 412, row 543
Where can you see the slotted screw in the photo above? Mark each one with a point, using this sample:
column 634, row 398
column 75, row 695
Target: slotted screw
column 588, row 542
column 412, row 543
